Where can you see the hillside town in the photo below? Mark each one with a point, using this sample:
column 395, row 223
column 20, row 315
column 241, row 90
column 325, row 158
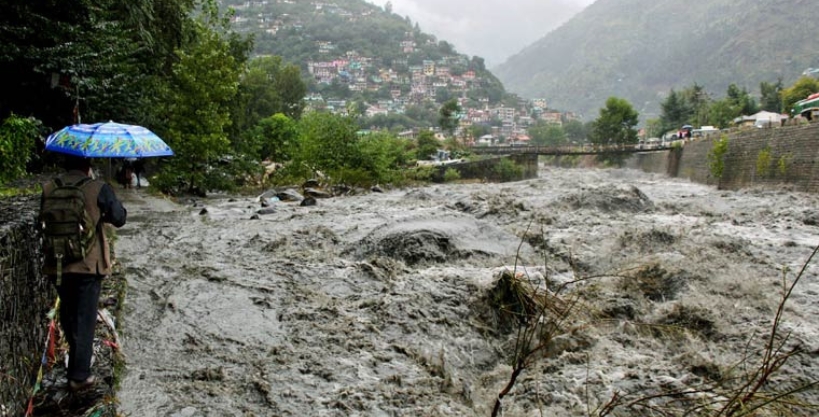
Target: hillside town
column 391, row 86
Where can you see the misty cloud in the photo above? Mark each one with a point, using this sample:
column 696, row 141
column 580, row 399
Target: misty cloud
column 493, row 29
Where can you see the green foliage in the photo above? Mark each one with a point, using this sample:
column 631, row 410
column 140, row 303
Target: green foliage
column 326, row 143
column 197, row 109
column 427, row 145
column 423, row 173
column 508, row 170
column 267, row 88
column 771, row 96
column 577, row 131
column 616, row 124
column 17, row 137
column 783, row 164
column 448, row 116
column 451, row 174
column 800, row 90
column 676, row 111
column 716, row 157
column 548, row 134
column 109, row 57
column 763, row 162
column 331, row 145
column 272, row 138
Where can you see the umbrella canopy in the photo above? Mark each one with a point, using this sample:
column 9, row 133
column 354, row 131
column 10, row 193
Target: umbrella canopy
column 107, row 140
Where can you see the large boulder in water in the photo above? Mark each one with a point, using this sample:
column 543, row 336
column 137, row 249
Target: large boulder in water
column 441, row 239
column 289, row 195
column 627, row 199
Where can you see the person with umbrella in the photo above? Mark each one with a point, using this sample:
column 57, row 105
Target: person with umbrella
column 73, row 210
column 78, row 277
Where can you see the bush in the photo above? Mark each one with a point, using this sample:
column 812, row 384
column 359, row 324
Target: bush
column 716, row 157
column 763, row 162
column 451, row 174
column 17, row 138
column 423, row 173
column 508, row 170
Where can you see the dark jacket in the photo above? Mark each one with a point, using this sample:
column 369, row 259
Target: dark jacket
column 103, row 207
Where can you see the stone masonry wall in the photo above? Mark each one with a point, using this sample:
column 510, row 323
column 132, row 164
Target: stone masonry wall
column 25, row 299
column 786, row 155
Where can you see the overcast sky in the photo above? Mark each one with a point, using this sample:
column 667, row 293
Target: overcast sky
column 493, row 29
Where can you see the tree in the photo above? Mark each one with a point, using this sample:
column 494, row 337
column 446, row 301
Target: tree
column 800, row 90
column 107, row 58
column 548, row 134
column 741, row 100
column 448, row 116
column 675, row 111
column 654, row 128
column 575, row 130
column 267, row 88
column 771, row 96
column 326, row 143
column 196, row 106
column 616, row 124
column 427, row 145
column 274, row 136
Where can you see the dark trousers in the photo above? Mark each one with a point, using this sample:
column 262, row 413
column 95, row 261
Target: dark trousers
column 79, row 295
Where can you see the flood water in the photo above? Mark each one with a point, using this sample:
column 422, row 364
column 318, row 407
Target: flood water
column 376, row 304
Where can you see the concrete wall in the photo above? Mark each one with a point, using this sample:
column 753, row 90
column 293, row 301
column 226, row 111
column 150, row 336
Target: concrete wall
column 25, row 298
column 793, row 159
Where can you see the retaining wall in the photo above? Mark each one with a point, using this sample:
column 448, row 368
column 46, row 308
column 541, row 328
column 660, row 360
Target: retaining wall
column 787, row 155
column 25, row 299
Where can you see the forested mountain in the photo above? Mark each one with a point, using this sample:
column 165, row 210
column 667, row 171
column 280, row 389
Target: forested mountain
column 351, row 49
column 640, row 49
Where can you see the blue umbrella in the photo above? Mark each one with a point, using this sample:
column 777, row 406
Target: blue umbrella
column 107, row 140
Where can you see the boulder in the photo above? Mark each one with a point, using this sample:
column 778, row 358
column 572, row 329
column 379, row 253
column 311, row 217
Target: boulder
column 316, row 193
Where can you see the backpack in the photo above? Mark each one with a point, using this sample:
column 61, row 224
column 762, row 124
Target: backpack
column 68, row 229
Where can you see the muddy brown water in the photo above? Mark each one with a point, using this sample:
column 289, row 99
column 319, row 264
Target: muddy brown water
column 374, row 305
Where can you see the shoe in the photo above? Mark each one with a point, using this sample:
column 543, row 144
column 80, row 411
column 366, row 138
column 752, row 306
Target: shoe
column 76, row 386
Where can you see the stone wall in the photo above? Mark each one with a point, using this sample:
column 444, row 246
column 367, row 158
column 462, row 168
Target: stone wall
column 787, row 155
column 25, row 299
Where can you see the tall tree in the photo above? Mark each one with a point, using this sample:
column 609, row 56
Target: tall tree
column 448, row 116
column 268, row 87
column 771, row 96
column 676, row 111
column 105, row 57
column 741, row 100
column 197, row 106
column 616, row 123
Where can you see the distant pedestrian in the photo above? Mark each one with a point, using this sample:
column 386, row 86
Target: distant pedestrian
column 137, row 169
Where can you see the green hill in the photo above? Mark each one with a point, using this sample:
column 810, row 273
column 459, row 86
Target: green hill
column 640, row 49
column 353, row 49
